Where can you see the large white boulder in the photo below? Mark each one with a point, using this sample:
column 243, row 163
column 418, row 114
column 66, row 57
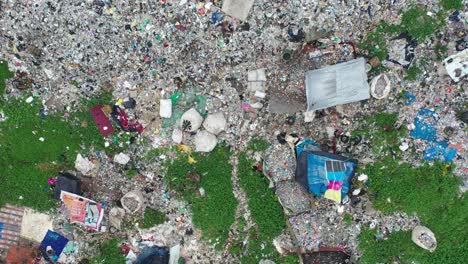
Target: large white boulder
column 205, row 141
column 215, row 123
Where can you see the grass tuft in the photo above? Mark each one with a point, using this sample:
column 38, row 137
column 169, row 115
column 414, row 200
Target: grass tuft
column 266, row 212
column 110, row 253
column 5, row 73
column 451, row 4
column 418, row 24
column 379, row 130
column 152, row 217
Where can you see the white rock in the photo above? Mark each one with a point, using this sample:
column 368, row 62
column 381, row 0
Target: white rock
column 205, row 141
column 215, row 123
column 41, row 139
column 193, row 118
column 165, row 108
column 83, row 165
column 122, row 158
column 177, row 136
column 29, row 99
column 363, row 177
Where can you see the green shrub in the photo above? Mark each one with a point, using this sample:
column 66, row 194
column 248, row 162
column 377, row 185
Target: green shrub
column 413, row 73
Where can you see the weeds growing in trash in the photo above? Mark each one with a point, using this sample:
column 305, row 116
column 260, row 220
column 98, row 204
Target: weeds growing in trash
column 215, row 212
column 152, row 217
column 431, row 192
column 380, row 132
column 109, row 253
column 4, row 74
column 451, row 4
column 263, row 204
column 20, row 139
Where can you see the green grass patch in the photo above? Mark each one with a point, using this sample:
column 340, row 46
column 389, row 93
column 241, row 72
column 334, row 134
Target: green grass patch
column 419, row 24
column 4, row 74
column 451, row 4
column 441, row 51
column 379, row 130
column 214, row 213
column 413, row 73
column 258, row 144
column 266, row 212
column 131, row 173
column 429, row 191
column 154, row 153
column 152, row 217
column 27, row 162
column 348, row 219
column 110, row 253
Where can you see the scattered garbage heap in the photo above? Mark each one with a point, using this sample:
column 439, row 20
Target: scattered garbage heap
column 194, row 74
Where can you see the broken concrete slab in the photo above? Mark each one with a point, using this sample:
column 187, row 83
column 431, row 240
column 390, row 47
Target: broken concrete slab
column 116, row 216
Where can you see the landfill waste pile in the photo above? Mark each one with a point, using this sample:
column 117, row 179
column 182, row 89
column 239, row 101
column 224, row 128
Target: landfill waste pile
column 233, row 131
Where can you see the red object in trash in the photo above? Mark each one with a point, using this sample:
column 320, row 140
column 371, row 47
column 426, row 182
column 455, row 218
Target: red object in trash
column 102, row 121
column 122, row 118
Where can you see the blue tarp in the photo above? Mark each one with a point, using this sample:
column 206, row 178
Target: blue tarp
column 425, row 128
column 311, row 171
